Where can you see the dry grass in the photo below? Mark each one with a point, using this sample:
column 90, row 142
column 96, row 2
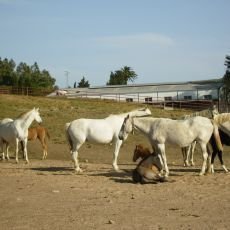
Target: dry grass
column 57, row 111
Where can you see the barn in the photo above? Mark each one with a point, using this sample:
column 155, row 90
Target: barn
column 171, row 94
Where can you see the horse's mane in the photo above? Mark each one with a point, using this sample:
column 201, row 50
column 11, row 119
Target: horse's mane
column 209, row 113
column 126, row 113
column 221, row 118
column 22, row 115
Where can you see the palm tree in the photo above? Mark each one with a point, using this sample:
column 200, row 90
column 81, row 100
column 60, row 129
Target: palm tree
column 122, row 76
column 129, row 74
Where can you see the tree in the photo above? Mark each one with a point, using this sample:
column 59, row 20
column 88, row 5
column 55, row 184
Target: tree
column 7, row 72
column 122, row 76
column 24, row 75
column 83, row 83
column 226, row 79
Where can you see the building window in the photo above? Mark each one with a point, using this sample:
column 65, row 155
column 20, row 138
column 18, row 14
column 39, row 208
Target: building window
column 129, row 99
column 148, row 99
column 188, row 97
column 168, row 98
column 208, row 97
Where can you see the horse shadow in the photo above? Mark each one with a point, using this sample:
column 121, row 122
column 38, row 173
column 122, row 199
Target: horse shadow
column 184, row 170
column 122, row 176
column 54, row 170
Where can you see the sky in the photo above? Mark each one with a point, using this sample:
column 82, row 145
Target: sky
column 161, row 40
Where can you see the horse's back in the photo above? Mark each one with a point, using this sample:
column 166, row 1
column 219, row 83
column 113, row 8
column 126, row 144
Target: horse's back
column 181, row 132
column 5, row 120
column 93, row 130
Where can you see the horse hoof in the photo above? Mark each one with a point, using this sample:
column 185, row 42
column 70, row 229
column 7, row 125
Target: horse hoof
column 78, row 170
column 116, row 168
column 225, row 169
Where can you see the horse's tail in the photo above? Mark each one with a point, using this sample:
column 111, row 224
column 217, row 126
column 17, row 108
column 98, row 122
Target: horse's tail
column 68, row 137
column 217, row 138
column 218, row 120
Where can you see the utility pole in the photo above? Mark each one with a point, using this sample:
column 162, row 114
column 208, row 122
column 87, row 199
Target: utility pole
column 67, row 78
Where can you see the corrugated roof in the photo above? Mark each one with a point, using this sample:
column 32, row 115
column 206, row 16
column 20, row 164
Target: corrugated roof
column 150, row 87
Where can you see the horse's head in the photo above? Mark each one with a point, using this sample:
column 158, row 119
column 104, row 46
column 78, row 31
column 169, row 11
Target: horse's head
column 126, row 128
column 140, row 112
column 37, row 115
column 140, row 152
column 214, row 111
column 136, row 153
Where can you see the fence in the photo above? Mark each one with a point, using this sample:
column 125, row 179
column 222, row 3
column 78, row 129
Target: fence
column 196, row 105
column 29, row 91
column 160, row 102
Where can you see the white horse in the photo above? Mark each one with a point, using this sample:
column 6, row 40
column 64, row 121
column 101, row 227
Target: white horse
column 4, row 121
column 161, row 131
column 17, row 130
column 98, row 131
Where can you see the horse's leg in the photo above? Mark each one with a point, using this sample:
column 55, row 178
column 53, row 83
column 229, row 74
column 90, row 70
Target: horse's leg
column 75, row 158
column 205, row 157
column 2, row 147
column 192, row 153
column 161, row 148
column 187, row 152
column 7, row 150
column 16, row 150
column 220, row 154
column 22, row 147
column 25, row 150
column 214, row 153
column 115, row 154
column 183, row 151
column 44, row 147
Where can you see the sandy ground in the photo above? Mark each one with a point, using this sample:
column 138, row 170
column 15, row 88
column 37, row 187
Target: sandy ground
column 48, row 194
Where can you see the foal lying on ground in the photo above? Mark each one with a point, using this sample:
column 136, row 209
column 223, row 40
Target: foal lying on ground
column 148, row 170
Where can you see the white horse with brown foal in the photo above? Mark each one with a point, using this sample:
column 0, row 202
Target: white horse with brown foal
column 182, row 133
column 14, row 131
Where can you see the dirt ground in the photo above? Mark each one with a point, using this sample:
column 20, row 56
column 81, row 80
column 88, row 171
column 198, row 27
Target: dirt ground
column 48, row 194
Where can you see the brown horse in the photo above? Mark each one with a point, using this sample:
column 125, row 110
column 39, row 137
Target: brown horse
column 148, row 169
column 40, row 133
